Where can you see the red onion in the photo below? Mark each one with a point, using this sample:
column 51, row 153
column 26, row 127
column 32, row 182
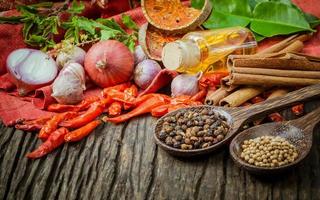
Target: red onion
column 139, row 55
column 109, row 63
column 73, row 55
column 31, row 69
column 145, row 72
column 185, row 84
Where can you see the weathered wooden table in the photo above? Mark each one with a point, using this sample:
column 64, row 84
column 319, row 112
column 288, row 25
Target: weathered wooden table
column 123, row 162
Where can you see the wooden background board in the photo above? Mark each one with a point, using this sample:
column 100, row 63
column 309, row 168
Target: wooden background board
column 123, row 162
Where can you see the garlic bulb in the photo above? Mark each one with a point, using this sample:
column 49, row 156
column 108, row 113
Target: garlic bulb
column 73, row 55
column 185, row 84
column 69, row 85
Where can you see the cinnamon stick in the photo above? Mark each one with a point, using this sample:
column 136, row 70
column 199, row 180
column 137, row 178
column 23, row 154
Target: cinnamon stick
column 278, row 93
column 277, row 72
column 294, row 47
column 279, row 46
column 285, row 43
column 288, row 62
column 241, row 96
column 215, row 97
column 264, row 80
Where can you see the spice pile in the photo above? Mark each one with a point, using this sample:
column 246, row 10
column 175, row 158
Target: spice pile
column 193, row 129
column 268, row 151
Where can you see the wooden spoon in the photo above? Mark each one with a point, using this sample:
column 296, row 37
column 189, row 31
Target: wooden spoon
column 298, row 132
column 236, row 117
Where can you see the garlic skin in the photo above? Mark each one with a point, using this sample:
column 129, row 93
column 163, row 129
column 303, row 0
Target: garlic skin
column 74, row 55
column 69, row 85
column 185, row 84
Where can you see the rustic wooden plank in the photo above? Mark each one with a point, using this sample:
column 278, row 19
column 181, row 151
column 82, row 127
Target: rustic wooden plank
column 122, row 162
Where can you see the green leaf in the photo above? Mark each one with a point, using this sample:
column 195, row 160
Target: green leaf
column 227, row 13
column 312, row 20
column 11, row 20
column 198, row 4
column 274, row 18
column 128, row 22
column 86, row 25
column 47, row 4
column 76, row 7
column 106, row 34
column 258, row 37
column 111, row 23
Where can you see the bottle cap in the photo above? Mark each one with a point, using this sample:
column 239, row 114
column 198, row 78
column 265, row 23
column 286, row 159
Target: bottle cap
column 180, row 54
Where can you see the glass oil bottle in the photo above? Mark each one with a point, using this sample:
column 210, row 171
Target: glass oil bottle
column 207, row 51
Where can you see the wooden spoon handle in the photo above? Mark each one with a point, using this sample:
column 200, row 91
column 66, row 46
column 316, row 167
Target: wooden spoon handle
column 309, row 121
column 269, row 106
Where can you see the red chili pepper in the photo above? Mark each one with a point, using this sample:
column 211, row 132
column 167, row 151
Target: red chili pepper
column 120, row 88
column 298, row 109
column 176, row 107
column 55, row 139
column 143, row 108
column 28, row 127
column 133, row 91
column 160, row 110
column 199, row 96
column 31, row 125
column 275, row 117
column 16, row 121
column 93, row 112
column 41, row 120
column 212, row 79
column 257, row 99
column 180, row 99
column 82, row 132
column 121, row 97
column 115, row 108
column 145, row 97
column 52, row 124
column 246, row 104
column 83, row 105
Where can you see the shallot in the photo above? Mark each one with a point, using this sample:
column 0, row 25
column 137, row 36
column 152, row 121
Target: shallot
column 185, row 84
column 139, row 55
column 74, row 54
column 145, row 72
column 31, row 69
column 109, row 63
column 69, row 85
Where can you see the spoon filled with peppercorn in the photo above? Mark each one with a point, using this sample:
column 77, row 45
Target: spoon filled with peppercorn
column 202, row 129
column 274, row 147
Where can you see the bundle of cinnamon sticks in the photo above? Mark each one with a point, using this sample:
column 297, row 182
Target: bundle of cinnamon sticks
column 278, row 67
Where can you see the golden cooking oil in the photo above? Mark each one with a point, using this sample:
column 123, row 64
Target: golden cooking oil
column 207, row 51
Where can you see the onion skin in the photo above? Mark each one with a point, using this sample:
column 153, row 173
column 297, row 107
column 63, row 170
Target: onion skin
column 185, row 84
column 75, row 55
column 145, row 72
column 139, row 55
column 109, row 63
column 30, row 69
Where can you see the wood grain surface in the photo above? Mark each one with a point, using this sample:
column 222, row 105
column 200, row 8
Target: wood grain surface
column 123, row 162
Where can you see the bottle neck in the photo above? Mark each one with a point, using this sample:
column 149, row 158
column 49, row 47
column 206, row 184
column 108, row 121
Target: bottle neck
column 181, row 54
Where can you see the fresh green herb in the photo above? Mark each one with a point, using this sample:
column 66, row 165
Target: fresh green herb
column 41, row 23
column 265, row 18
column 128, row 22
